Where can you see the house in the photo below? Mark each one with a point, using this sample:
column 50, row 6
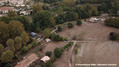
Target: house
column 47, row 40
column 24, row 12
column 33, row 34
column 93, row 19
column 45, row 59
column 29, row 59
column 6, row 9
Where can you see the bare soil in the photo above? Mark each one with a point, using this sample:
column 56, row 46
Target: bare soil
column 101, row 51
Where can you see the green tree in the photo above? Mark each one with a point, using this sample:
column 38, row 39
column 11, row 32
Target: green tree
column 43, row 19
column 1, row 48
column 78, row 22
column 38, row 30
column 15, row 28
column 70, row 25
column 10, row 44
column 24, row 37
column 36, row 8
column 24, row 49
column 48, row 53
column 18, row 43
column 4, row 32
column 46, row 33
column 12, row 13
column 57, row 52
column 71, row 16
column 7, row 56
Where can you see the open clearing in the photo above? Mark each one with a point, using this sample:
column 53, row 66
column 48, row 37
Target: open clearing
column 95, row 46
column 106, row 52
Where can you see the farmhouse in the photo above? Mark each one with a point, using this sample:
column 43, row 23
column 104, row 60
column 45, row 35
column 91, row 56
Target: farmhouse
column 93, row 19
column 30, row 58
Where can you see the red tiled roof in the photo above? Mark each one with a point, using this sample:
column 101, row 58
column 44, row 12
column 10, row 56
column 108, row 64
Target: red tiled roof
column 6, row 8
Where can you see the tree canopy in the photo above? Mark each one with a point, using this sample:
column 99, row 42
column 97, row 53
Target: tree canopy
column 7, row 56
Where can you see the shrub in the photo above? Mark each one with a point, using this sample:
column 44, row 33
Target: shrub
column 67, row 45
column 52, row 58
column 70, row 25
column 114, row 36
column 48, row 53
column 78, row 22
column 75, row 51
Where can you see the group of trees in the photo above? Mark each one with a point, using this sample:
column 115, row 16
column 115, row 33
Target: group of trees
column 95, row 1
column 23, row 19
column 78, row 12
column 114, row 22
column 57, row 37
column 14, row 37
column 109, row 7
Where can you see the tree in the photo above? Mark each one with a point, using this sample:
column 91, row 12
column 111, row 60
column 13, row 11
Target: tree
column 38, row 30
column 43, row 19
column 7, row 56
column 48, row 53
column 18, row 43
column 1, row 48
column 36, row 8
column 57, row 52
column 24, row 49
column 78, row 22
column 46, row 33
column 24, row 37
column 70, row 25
column 61, row 18
column 4, row 32
column 10, row 44
column 12, row 13
column 15, row 28
column 71, row 16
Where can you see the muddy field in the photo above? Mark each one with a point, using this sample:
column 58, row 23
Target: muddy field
column 95, row 46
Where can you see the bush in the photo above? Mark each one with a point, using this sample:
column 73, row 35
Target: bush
column 70, row 25
column 78, row 22
column 48, row 53
column 59, row 29
column 52, row 58
column 114, row 36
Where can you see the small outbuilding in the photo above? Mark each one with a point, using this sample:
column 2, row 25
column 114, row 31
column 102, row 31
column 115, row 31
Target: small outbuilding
column 47, row 40
column 93, row 19
column 33, row 34
column 45, row 59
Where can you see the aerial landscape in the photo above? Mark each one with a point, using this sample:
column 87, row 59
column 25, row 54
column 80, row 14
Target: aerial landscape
column 59, row 33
